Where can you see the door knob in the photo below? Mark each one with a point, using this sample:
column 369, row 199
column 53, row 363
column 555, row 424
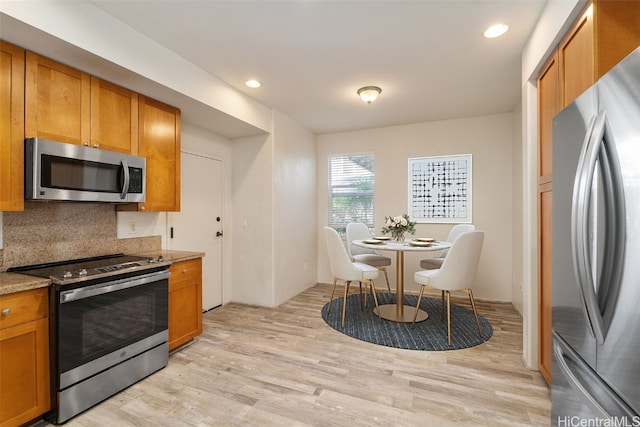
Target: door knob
column 219, row 234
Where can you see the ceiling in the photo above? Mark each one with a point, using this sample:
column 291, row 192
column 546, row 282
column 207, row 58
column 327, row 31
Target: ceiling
column 429, row 57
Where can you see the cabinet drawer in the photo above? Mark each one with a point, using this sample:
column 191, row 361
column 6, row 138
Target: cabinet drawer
column 23, row 307
column 185, row 272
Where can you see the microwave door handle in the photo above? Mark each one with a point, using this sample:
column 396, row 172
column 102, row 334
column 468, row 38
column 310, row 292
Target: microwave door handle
column 125, row 184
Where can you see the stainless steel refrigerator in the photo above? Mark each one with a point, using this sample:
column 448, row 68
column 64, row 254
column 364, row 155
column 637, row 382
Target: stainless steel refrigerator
column 596, row 253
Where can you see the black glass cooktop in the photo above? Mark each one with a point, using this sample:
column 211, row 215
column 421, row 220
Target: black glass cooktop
column 72, row 271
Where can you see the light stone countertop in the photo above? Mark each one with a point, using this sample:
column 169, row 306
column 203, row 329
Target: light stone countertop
column 15, row 282
column 173, row 256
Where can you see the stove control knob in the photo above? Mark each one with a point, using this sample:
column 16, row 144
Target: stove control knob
column 151, row 261
column 160, row 258
column 67, row 274
column 82, row 272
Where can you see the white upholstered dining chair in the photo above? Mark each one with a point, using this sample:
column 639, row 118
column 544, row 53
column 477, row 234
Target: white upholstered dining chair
column 360, row 231
column 436, row 262
column 344, row 269
column 457, row 273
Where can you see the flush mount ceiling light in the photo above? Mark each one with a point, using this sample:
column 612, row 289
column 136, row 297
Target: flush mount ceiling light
column 369, row 93
column 495, row 31
column 252, row 83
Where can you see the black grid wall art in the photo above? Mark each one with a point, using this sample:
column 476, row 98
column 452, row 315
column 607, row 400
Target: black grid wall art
column 440, row 189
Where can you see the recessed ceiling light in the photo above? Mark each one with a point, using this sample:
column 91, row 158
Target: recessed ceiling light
column 495, row 31
column 253, row 83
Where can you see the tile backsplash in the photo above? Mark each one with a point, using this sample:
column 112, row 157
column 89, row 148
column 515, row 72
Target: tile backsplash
column 54, row 231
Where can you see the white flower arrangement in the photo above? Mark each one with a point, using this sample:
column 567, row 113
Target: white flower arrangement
column 398, row 225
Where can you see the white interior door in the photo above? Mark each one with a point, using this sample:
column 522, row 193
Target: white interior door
column 198, row 225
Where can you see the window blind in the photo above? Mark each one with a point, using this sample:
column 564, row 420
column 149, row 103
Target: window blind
column 351, row 185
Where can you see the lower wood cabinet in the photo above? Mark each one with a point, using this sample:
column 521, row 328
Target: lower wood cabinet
column 24, row 357
column 185, row 302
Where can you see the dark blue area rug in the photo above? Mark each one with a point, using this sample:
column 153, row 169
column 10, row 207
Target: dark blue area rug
column 430, row 335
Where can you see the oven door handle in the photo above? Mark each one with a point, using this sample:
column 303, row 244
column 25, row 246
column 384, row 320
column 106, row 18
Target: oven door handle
column 116, row 285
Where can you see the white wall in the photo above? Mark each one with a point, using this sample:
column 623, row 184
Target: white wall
column 273, row 195
column 294, row 204
column 252, row 226
column 518, row 201
column 146, row 224
column 487, row 138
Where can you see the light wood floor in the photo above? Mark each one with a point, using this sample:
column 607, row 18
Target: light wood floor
column 285, row 367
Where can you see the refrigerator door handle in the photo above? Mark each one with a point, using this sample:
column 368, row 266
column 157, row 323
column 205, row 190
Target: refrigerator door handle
column 564, row 357
column 592, row 391
column 614, row 239
column 582, row 189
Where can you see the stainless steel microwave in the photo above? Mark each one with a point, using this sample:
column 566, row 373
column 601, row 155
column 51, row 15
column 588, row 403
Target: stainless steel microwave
column 68, row 172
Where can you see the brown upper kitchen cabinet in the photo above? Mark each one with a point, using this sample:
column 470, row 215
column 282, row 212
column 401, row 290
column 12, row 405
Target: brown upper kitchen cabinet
column 548, row 106
column 67, row 105
column 11, row 127
column 576, row 57
column 159, row 142
column 606, row 32
column 58, row 104
column 114, row 117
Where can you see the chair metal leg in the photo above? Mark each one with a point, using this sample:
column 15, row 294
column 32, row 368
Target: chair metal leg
column 442, row 310
column 386, row 277
column 415, row 315
column 363, row 302
column 366, row 294
column 335, row 280
column 344, row 302
column 449, row 317
column 475, row 313
column 375, row 299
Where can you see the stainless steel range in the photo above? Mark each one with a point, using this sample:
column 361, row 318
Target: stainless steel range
column 109, row 326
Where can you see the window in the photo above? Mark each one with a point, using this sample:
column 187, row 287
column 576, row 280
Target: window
column 351, row 183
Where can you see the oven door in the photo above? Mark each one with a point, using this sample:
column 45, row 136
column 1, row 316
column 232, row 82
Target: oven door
column 102, row 325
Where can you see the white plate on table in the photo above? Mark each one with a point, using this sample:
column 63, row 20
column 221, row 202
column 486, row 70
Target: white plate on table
column 382, row 238
column 425, row 239
column 420, row 243
column 373, row 241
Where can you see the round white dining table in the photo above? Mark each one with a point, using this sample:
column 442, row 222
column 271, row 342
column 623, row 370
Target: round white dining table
column 396, row 312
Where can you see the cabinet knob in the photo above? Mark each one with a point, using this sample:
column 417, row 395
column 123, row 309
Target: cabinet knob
column 184, row 271
column 6, row 312
column 96, row 145
column 86, row 143
column 141, row 208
